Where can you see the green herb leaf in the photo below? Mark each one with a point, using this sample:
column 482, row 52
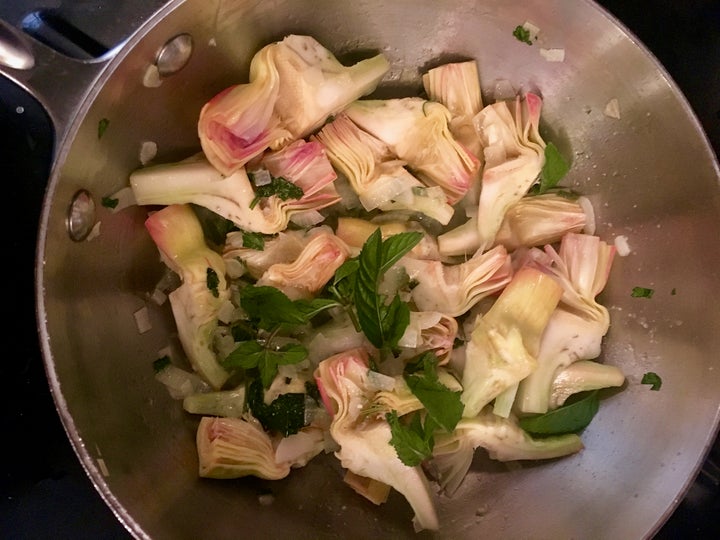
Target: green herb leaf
column 412, row 441
column 554, row 169
column 382, row 324
column 161, row 363
column 285, row 415
column 570, row 418
column 441, row 403
column 279, row 187
column 109, row 202
column 242, row 330
column 253, row 240
column 642, row 292
column 652, row 379
column 246, row 355
column 251, row 354
column 269, row 307
column 102, row 127
column 522, row 34
column 215, row 227
column 213, row 282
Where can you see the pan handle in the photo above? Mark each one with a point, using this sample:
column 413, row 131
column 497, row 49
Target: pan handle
column 58, row 82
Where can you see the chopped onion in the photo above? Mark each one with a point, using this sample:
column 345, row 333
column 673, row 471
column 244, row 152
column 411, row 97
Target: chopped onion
column 151, row 78
column 226, row 312
column 181, row 383
column 142, row 320
column 504, row 90
column 261, row 177
column 553, row 55
column 622, row 246
column 587, row 207
column 148, row 150
column 612, row 109
column 308, row 218
column 158, row 297
column 94, row 232
column 298, row 448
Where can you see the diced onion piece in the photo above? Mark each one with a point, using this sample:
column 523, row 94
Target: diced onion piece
column 181, row 383
column 226, row 312
column 299, row 448
column 374, row 491
column 622, row 246
column 148, row 150
column 612, row 109
column 308, row 218
column 94, row 232
column 587, row 207
column 504, row 90
column 142, row 320
column 151, row 78
column 532, row 30
column 261, row 177
column 553, row 55
column 158, row 297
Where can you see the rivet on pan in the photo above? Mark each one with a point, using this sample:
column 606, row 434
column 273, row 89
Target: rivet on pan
column 174, row 55
column 81, row 216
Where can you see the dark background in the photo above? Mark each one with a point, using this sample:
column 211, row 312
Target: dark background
column 44, row 492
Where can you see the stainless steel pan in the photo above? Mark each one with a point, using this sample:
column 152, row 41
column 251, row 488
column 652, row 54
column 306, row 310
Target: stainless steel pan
column 651, row 175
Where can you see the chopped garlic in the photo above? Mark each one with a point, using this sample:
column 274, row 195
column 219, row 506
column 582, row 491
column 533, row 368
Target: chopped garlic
column 612, row 109
column 553, row 55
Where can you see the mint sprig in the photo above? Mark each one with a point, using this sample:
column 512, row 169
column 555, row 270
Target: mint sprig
column 554, row 169
column 413, row 441
column 270, row 309
column 253, row 355
column 570, row 418
column 441, row 403
column 382, row 322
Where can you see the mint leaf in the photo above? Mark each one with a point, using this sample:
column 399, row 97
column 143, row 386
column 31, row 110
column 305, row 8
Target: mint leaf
column 213, row 282
column 570, row 418
column 554, row 169
column 253, row 240
column 278, row 186
column 109, row 202
column 252, row 355
column 343, row 284
column 522, row 34
column 269, row 307
column 383, row 324
column 310, row 308
column 161, row 363
column 395, row 247
column 103, row 124
column 412, row 441
column 285, row 414
column 246, row 355
column 441, row 403
column 642, row 292
column 653, row 379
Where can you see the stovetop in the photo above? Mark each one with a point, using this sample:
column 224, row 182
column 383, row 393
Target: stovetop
column 45, row 492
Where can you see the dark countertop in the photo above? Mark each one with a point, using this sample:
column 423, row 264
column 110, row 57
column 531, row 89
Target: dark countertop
column 45, row 492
